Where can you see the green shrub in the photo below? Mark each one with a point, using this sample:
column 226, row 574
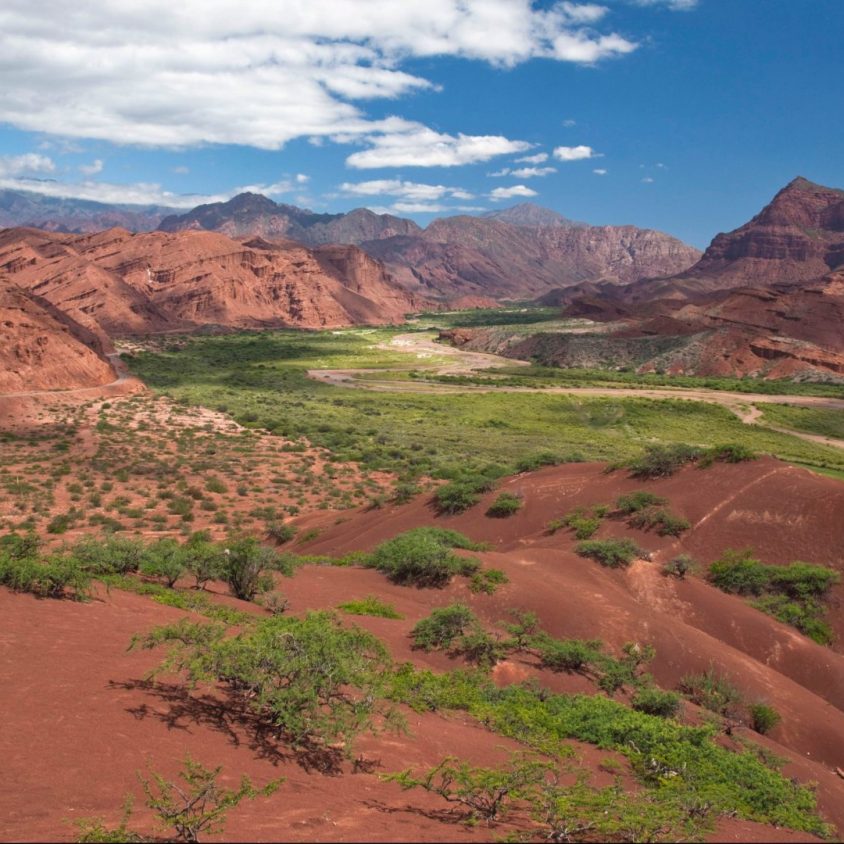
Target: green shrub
column 728, row 453
column 487, row 581
column 661, row 461
column 20, row 547
column 370, row 605
column 442, row 627
column 203, row 559
column 505, row 505
column 404, row 492
column 763, row 718
column 164, row 559
column 247, row 567
column 54, row 577
column 567, row 654
column 109, row 554
column 664, row 522
column 280, row 533
column 679, row 566
column 584, row 522
column 633, row 502
column 711, row 691
column 465, row 491
column 613, row 553
column 60, row 524
column 791, row 594
column 486, row 793
column 214, row 484
column 310, row 680
column 655, row 701
column 423, row 557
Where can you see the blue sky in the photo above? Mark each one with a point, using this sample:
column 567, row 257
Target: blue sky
column 681, row 115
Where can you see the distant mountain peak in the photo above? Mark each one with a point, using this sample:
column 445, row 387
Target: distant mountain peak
column 530, row 214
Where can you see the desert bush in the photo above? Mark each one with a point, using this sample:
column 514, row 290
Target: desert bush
column 214, row 484
column 443, row 627
column 506, row 504
column 247, row 566
column 280, row 532
column 612, row 553
column 404, row 492
column 311, row 680
column 583, row 522
column 657, row 518
column 423, row 557
column 567, row 654
column 58, row 576
column 203, row 559
column 275, row 603
column 465, row 490
column 164, row 559
column 727, row 453
column 371, row 605
column 655, row 701
column 109, row 554
column 763, row 718
column 711, row 691
column 679, row 566
column 792, row 594
column 485, row 792
column 522, row 629
column 18, row 546
column 661, row 461
column 487, row 581
column 633, row 502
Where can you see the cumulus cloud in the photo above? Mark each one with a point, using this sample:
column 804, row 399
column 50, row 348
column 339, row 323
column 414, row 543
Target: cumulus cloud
column 96, row 166
column 647, row 180
column 509, row 193
column 402, row 143
column 411, row 191
column 140, row 193
column 538, row 158
column 29, row 163
column 676, row 5
column 262, row 73
column 525, row 172
column 577, row 153
column 599, row 171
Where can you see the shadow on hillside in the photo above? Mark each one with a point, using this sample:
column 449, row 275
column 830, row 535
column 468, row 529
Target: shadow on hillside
column 231, row 716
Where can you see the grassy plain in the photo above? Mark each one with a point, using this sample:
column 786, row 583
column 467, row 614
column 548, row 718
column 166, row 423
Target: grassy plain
column 261, row 380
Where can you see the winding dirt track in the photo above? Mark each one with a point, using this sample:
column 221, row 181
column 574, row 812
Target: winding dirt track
column 422, row 346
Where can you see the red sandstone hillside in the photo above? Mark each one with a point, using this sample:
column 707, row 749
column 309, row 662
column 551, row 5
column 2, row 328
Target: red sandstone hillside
column 113, row 722
column 115, row 282
column 513, row 253
column 459, row 256
column 250, row 214
column 42, row 349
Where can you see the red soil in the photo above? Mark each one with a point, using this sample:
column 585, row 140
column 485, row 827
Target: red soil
column 80, row 723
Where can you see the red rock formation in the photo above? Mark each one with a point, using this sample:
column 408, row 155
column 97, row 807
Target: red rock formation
column 118, row 283
column 43, row 349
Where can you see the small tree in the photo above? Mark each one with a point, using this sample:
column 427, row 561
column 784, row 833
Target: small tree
column 763, row 718
column 246, row 567
column 485, row 792
column 442, row 627
column 164, row 559
column 199, row 806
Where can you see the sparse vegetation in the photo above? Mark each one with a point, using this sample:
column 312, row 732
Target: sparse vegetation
column 370, row 605
column 792, row 594
column 712, row 691
column 613, row 553
column 506, row 504
column 763, row 718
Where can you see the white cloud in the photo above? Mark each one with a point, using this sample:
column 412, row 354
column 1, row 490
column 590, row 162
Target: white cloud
column 539, row 158
column 599, row 171
column 181, row 170
column 575, row 153
column 647, row 180
column 264, row 72
column 569, row 123
column 140, row 193
column 302, row 178
column 676, row 5
column 509, row 193
column 93, row 168
column 524, row 172
column 29, row 163
column 409, row 191
column 401, row 143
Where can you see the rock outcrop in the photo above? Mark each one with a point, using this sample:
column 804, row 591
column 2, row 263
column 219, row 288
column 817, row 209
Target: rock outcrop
column 117, row 283
column 43, row 349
